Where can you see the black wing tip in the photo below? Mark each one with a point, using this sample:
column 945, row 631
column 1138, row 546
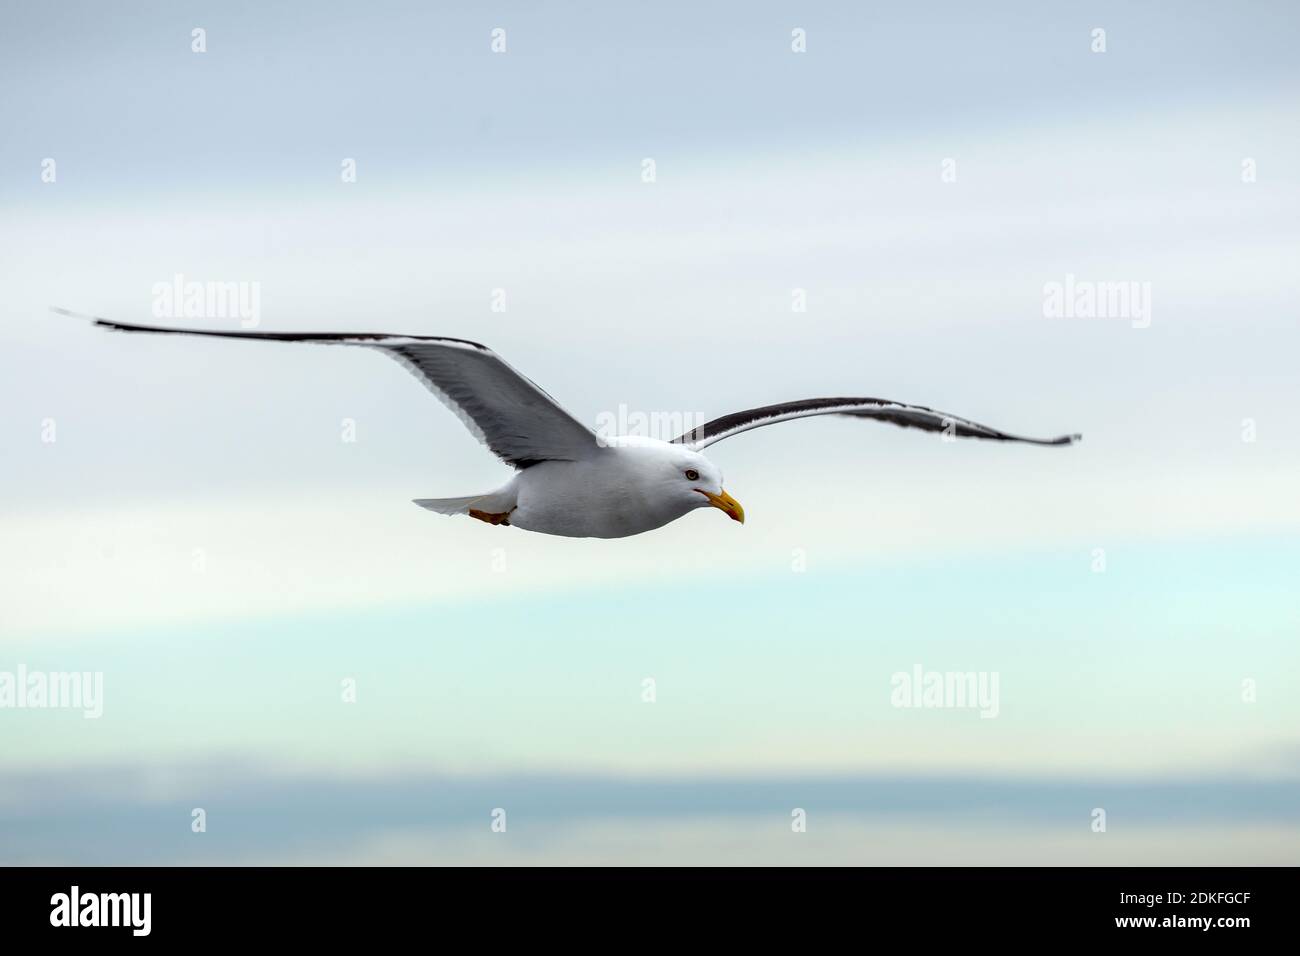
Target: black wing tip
column 104, row 323
column 96, row 319
column 1058, row 440
column 272, row 336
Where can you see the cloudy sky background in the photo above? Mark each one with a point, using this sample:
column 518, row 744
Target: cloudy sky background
column 201, row 534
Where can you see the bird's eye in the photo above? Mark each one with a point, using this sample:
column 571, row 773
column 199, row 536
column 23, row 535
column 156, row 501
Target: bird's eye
column 692, row 474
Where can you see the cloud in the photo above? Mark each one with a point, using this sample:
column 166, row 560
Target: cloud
column 139, row 814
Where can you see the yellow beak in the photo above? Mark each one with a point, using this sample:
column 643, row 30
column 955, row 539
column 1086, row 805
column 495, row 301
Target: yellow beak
column 726, row 503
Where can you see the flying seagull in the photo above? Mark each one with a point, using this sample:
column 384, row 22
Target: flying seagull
column 569, row 481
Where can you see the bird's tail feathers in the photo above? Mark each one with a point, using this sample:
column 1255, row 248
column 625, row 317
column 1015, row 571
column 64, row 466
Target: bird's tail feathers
column 501, row 501
column 450, row 506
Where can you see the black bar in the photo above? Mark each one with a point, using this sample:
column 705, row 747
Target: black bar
column 329, row 905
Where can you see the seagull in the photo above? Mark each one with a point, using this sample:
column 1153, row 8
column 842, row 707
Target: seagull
column 568, row 480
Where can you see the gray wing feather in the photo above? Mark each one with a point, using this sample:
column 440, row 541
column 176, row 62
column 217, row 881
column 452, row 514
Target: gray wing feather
column 509, row 413
column 514, row 417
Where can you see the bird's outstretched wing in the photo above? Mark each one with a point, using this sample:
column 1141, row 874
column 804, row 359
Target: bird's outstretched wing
column 515, row 418
column 906, row 416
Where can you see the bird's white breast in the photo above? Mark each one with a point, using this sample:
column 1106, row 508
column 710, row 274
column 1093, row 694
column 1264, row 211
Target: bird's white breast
column 617, row 492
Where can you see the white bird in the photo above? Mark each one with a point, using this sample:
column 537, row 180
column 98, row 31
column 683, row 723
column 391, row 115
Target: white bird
column 570, row 481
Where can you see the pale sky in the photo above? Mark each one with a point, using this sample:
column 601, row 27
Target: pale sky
column 199, row 531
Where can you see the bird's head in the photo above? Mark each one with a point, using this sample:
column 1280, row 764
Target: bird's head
column 675, row 478
column 698, row 482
